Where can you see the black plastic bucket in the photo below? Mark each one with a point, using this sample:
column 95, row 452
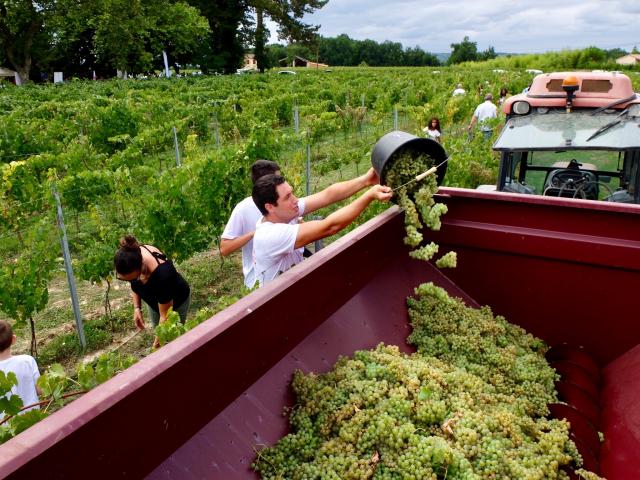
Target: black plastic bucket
column 398, row 142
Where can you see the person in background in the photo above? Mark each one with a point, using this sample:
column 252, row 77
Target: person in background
column 23, row 366
column 504, row 93
column 433, row 130
column 238, row 233
column 278, row 239
column 154, row 280
column 459, row 90
column 482, row 113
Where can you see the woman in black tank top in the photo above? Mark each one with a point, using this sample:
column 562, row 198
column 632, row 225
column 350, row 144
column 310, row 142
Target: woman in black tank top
column 153, row 279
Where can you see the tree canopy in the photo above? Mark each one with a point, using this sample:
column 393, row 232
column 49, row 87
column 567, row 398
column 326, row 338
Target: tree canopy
column 345, row 51
column 102, row 36
column 467, row 51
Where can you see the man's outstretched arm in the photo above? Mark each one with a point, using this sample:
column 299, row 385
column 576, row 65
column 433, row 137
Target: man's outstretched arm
column 315, row 230
column 339, row 191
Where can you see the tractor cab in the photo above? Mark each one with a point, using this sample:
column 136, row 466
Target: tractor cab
column 573, row 135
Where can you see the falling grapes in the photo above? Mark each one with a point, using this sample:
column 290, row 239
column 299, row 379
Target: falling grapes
column 416, row 198
column 448, row 260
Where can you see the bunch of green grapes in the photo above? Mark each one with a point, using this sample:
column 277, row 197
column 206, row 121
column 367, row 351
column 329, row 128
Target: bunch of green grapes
column 448, row 260
column 474, row 339
column 425, row 253
column 416, row 199
column 384, row 414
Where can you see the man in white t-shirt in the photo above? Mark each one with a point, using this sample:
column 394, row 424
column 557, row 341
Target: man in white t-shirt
column 238, row 233
column 459, row 90
column 482, row 113
column 23, row 366
column 279, row 238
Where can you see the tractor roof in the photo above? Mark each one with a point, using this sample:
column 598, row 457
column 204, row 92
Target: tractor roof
column 595, row 89
column 556, row 130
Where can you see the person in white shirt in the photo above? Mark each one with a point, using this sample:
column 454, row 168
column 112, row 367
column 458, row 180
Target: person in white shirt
column 482, row 113
column 459, row 90
column 278, row 238
column 23, row 366
column 238, row 233
column 433, row 130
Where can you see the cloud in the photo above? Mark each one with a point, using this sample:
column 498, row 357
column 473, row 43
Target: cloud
column 508, row 26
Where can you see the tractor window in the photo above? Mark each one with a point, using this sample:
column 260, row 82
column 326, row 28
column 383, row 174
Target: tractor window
column 541, row 163
column 556, row 130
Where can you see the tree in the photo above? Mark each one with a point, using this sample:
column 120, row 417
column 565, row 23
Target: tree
column 340, row 50
column 416, row 57
column 367, row 52
column 488, row 54
column 466, row 51
column 224, row 48
column 130, row 33
column 288, row 16
column 276, row 53
column 261, row 37
column 591, row 57
column 79, row 37
column 179, row 30
column 22, row 26
column 614, row 53
column 391, row 53
column 345, row 51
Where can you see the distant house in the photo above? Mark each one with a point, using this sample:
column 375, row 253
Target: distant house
column 631, row 59
column 303, row 62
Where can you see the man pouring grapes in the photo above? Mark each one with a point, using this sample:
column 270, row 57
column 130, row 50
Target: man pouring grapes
column 279, row 239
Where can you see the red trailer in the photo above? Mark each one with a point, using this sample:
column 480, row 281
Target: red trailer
column 567, row 270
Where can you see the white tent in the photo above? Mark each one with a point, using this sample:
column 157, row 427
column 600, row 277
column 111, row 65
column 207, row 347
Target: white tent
column 5, row 72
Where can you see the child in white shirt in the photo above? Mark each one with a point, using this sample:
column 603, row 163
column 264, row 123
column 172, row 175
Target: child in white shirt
column 23, row 366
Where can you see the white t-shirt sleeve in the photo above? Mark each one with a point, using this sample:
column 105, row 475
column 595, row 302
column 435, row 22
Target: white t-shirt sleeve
column 302, row 206
column 281, row 239
column 234, row 227
column 274, row 250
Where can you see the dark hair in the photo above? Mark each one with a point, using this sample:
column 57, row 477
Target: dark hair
column 503, row 92
column 437, row 123
column 261, row 168
column 6, row 335
column 265, row 191
column 128, row 258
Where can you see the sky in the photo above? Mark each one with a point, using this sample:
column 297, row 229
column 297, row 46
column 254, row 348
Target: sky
column 508, row 26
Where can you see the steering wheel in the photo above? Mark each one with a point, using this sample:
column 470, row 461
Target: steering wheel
column 580, row 182
column 583, row 186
